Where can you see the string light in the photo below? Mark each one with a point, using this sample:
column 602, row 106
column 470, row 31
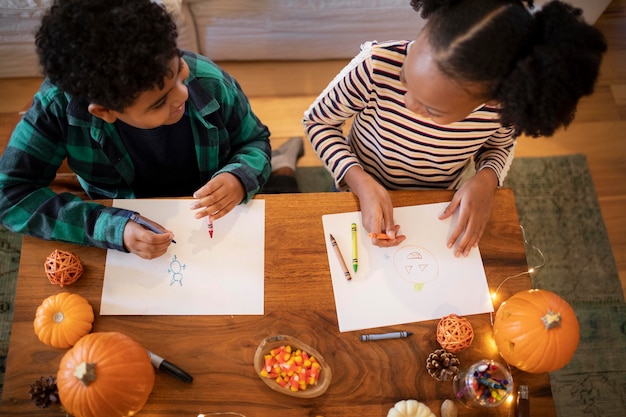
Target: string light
column 530, row 270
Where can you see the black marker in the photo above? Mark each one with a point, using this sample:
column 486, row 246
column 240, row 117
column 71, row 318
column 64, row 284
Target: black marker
column 393, row 335
column 169, row 368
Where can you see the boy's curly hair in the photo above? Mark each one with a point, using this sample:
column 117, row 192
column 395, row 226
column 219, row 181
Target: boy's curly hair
column 106, row 51
column 537, row 66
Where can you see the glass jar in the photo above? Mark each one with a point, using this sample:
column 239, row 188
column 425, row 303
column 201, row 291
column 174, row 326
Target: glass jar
column 486, row 383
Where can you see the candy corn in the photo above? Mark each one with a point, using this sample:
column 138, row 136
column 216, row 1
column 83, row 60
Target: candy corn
column 291, row 369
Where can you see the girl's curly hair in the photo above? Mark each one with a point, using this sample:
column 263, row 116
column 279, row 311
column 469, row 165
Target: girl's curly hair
column 537, row 66
column 107, row 52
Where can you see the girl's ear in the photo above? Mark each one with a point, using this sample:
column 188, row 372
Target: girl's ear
column 493, row 103
column 102, row 112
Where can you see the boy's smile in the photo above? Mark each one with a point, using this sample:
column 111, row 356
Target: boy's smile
column 156, row 107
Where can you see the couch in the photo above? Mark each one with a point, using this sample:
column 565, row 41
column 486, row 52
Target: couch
column 249, row 30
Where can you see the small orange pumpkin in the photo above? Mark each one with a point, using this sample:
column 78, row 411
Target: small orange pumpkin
column 536, row 331
column 62, row 319
column 105, row 374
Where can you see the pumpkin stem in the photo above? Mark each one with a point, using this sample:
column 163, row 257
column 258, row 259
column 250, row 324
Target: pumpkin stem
column 551, row 320
column 85, row 372
column 58, row 317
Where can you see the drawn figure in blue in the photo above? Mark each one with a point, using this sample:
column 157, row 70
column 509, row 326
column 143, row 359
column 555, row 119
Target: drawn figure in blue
column 176, row 269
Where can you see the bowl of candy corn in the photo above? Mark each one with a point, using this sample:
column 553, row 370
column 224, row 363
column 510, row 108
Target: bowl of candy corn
column 292, row 367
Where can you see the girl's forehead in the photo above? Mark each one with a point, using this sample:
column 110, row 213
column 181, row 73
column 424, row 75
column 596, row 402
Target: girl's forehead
column 429, row 86
column 421, row 66
column 423, row 62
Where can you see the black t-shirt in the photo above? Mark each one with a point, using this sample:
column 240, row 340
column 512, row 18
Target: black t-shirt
column 164, row 159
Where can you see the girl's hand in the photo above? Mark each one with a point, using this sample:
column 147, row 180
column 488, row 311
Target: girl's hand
column 376, row 207
column 218, row 197
column 474, row 200
column 145, row 243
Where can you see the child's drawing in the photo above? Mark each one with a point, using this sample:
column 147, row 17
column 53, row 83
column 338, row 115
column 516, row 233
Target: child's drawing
column 418, row 280
column 416, row 265
column 176, row 268
column 198, row 275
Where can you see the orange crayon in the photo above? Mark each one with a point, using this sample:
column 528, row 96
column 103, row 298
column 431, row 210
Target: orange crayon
column 381, row 236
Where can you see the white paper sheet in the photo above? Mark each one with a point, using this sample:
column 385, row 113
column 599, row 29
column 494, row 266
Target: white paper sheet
column 197, row 275
column 418, row 280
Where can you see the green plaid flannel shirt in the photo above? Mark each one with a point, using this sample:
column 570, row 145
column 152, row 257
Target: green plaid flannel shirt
column 228, row 138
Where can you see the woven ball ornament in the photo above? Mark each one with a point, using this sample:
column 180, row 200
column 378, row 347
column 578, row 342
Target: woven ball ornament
column 63, row 267
column 454, row 333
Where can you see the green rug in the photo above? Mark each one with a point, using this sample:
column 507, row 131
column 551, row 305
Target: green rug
column 559, row 211
column 10, row 245
column 314, row 180
column 557, row 194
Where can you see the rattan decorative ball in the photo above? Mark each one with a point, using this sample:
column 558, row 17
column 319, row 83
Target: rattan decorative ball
column 63, row 267
column 454, row 333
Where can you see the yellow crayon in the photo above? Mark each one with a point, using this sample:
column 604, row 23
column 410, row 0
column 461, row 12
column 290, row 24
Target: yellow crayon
column 355, row 252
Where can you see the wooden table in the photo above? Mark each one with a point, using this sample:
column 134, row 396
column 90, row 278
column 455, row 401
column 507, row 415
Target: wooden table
column 368, row 378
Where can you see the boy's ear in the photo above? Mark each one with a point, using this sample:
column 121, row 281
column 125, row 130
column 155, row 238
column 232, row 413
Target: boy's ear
column 102, row 112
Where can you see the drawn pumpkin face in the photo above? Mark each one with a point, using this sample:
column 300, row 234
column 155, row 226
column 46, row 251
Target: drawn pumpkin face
column 416, row 265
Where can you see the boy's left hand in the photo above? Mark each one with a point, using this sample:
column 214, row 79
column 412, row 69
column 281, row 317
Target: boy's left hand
column 474, row 200
column 218, row 196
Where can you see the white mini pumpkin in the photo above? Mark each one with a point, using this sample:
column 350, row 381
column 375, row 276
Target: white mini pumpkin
column 410, row 408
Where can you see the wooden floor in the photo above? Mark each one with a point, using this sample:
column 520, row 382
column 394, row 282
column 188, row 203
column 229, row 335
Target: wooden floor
column 280, row 92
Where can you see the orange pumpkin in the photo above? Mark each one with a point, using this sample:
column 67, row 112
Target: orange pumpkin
column 105, row 374
column 62, row 319
column 536, row 331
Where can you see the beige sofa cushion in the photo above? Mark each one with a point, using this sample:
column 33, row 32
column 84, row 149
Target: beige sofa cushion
column 298, row 29
column 19, row 20
column 243, row 30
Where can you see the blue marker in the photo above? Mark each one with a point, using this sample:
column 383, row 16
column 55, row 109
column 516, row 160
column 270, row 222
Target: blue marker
column 135, row 217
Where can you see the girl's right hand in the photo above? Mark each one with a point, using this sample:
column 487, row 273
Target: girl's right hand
column 376, row 207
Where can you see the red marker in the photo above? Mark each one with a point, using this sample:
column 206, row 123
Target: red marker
column 210, row 227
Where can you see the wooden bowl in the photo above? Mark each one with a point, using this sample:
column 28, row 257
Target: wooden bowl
column 311, row 391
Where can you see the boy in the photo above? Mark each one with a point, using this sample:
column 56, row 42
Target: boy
column 135, row 118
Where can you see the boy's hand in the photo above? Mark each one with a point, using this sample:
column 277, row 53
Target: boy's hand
column 218, row 197
column 376, row 207
column 145, row 243
column 474, row 200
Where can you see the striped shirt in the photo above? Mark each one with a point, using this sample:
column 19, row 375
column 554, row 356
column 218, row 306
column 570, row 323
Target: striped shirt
column 399, row 148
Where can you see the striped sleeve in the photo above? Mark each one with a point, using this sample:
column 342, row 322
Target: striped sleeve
column 325, row 120
column 497, row 153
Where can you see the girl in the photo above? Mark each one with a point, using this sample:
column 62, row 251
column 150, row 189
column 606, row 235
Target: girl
column 479, row 74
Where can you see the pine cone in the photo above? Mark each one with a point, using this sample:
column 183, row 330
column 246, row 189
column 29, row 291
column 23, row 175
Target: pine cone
column 442, row 365
column 44, row 392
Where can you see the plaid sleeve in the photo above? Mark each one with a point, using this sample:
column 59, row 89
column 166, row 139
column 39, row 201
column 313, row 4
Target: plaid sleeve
column 28, row 166
column 244, row 148
column 250, row 159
